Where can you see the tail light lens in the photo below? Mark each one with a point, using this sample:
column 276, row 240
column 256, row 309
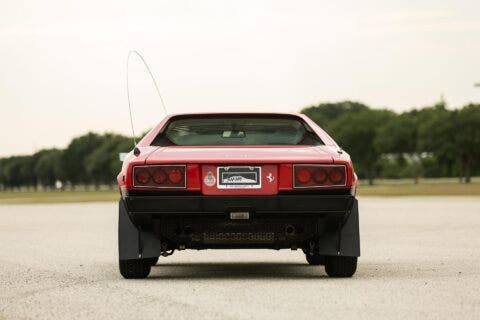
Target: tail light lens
column 303, row 175
column 142, row 176
column 319, row 175
column 176, row 176
column 159, row 176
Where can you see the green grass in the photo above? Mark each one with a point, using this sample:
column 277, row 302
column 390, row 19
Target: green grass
column 391, row 188
column 28, row 197
column 425, row 189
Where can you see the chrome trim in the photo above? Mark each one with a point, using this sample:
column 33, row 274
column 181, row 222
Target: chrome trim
column 318, row 165
column 160, row 165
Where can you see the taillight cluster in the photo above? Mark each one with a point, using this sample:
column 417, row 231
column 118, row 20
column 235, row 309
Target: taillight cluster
column 319, row 175
column 159, row 176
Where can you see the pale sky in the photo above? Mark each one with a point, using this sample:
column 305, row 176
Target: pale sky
column 62, row 63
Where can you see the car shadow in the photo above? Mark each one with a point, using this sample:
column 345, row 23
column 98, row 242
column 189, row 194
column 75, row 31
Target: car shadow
column 235, row 270
column 288, row 270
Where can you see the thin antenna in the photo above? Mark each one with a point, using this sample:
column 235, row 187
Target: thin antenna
column 128, row 90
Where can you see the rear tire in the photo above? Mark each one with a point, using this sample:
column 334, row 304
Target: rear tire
column 315, row 259
column 340, row 267
column 134, row 268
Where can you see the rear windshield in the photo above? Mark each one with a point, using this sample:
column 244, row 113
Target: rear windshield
column 236, row 130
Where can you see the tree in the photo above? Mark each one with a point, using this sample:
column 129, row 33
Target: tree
column 398, row 137
column 466, row 123
column 103, row 164
column 3, row 178
column 325, row 114
column 357, row 133
column 398, row 134
column 73, row 160
column 48, row 167
column 435, row 135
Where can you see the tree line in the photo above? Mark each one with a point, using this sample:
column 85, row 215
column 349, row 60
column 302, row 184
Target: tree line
column 430, row 142
column 89, row 160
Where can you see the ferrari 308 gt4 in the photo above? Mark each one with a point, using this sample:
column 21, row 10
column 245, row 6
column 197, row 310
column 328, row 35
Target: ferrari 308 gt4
column 238, row 180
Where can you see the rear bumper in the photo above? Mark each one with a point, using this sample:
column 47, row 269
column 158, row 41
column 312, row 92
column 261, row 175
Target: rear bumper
column 259, row 206
column 200, row 222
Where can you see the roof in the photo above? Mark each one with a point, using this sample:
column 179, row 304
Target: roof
column 233, row 113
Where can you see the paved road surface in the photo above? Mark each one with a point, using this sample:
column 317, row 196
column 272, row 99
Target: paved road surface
column 420, row 259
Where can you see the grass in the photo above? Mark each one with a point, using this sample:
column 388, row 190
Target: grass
column 426, row 189
column 390, row 188
column 28, row 197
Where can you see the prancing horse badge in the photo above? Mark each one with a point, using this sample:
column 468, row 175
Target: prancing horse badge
column 270, row 177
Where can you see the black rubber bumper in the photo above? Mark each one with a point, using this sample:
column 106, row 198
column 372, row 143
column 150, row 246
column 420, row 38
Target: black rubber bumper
column 329, row 220
column 259, row 205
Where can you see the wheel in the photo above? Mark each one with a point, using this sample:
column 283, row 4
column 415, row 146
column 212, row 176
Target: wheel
column 340, row 267
column 134, row 268
column 315, row 259
column 153, row 261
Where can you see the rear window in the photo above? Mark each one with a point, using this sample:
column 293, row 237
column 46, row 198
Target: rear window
column 236, row 130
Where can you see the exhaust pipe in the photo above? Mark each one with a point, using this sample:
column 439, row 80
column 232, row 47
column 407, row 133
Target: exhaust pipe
column 290, row 230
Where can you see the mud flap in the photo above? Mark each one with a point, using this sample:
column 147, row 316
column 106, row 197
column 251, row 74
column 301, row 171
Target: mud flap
column 133, row 243
column 347, row 241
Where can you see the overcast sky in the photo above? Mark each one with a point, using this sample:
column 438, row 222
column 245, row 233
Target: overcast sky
column 62, row 64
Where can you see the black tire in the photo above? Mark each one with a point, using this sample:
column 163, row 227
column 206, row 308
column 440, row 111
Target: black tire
column 135, row 268
column 315, row 259
column 153, row 261
column 340, row 267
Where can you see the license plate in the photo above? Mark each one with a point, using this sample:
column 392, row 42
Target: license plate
column 239, row 177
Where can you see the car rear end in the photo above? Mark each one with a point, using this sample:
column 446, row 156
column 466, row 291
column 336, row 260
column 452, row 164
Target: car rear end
column 238, row 181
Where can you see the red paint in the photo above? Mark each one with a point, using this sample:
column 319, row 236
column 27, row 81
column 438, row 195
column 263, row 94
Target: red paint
column 285, row 173
column 193, row 177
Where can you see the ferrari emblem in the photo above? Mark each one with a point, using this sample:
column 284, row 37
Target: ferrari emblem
column 270, row 177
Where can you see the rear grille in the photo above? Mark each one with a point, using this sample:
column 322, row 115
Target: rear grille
column 238, row 237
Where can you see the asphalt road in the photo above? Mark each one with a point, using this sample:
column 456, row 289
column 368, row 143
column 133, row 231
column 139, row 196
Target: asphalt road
column 420, row 259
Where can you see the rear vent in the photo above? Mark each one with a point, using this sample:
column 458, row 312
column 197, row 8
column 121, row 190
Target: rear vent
column 238, row 237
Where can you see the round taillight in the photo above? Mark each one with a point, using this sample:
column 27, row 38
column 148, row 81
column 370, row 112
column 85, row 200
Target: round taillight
column 142, row 176
column 320, row 175
column 303, row 175
column 175, row 176
column 159, row 176
column 337, row 176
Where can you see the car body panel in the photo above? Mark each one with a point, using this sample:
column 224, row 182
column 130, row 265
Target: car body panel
column 240, row 154
column 324, row 217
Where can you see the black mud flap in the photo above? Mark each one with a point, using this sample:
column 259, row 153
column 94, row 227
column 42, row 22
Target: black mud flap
column 132, row 242
column 346, row 241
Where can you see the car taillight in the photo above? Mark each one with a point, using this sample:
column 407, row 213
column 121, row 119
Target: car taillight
column 319, row 175
column 176, row 176
column 159, row 176
column 142, row 176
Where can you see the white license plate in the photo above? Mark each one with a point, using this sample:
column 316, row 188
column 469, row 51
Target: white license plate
column 240, row 177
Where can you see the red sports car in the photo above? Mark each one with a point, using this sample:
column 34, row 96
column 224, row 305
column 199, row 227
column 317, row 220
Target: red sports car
column 238, row 180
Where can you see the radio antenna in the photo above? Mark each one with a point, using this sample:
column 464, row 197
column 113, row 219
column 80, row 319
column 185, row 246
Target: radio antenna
column 128, row 90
